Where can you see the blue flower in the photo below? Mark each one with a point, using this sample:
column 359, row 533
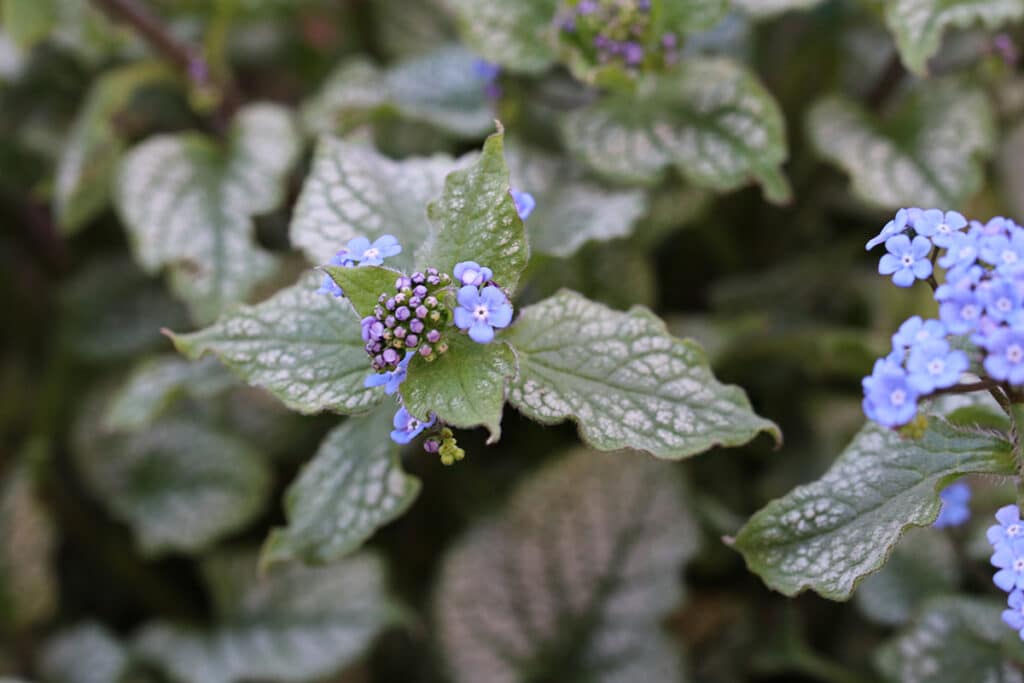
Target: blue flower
column 1009, row 528
column 391, row 379
column 1001, row 298
column 907, row 260
column 525, row 203
column 940, row 227
column 373, row 254
column 1009, row 559
column 485, row 70
column 1014, row 616
column 933, row 365
column 328, row 286
column 896, row 226
column 1004, row 252
column 482, row 311
column 915, row 331
column 955, row 511
column 408, row 427
column 959, row 309
column 472, row 273
column 889, row 399
column 961, row 252
column 1005, row 359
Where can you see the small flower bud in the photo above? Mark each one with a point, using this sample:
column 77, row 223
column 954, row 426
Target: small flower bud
column 421, row 312
column 400, row 299
column 390, row 322
column 435, row 316
column 431, row 446
column 400, row 332
column 389, row 304
column 434, row 336
column 426, row 351
column 431, row 302
column 416, row 326
column 418, row 279
column 414, row 301
column 420, row 291
column 403, row 313
column 390, row 356
column 431, row 271
column 411, row 341
column 442, row 348
column 402, row 282
column 433, row 280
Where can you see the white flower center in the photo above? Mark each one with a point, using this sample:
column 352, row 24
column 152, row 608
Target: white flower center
column 936, row 366
column 898, row 397
column 1018, row 564
column 1013, row 530
column 908, row 260
column 480, row 312
column 1009, row 256
column 1014, row 353
column 469, row 276
column 372, row 252
column 1004, row 304
column 944, row 229
column 969, row 312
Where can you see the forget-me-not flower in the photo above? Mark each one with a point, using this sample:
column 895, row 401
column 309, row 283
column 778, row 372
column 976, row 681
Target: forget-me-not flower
column 1009, row 528
column 933, row 365
column 408, row 427
column 368, row 254
column 1009, row 559
column 1014, row 615
column 939, row 226
column 955, row 510
column 907, row 260
column 959, row 309
column 472, row 273
column 1005, row 359
column 915, row 331
column 896, row 226
column 481, row 311
column 889, row 399
column 328, row 286
column 390, row 379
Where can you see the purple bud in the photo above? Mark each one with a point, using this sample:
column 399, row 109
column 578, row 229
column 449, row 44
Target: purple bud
column 426, row 350
column 418, row 278
column 586, row 7
column 634, row 53
column 411, row 341
column 433, row 280
column 378, row 361
column 382, row 298
column 390, row 304
column 568, row 25
column 390, row 356
column 400, row 299
column 644, row 5
column 668, row 41
column 414, row 302
column 421, row 312
column 431, row 302
column 379, row 312
column 402, row 313
column 420, row 291
column 432, row 446
column 400, row 332
column 403, row 283
column 389, row 321
column 431, row 271
column 416, row 326
column 434, row 336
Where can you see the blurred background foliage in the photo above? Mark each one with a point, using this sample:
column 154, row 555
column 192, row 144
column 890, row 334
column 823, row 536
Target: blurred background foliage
column 138, row 486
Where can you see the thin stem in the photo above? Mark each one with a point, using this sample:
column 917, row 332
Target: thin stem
column 985, row 384
column 186, row 57
column 891, row 77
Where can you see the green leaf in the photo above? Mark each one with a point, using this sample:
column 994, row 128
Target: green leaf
column 180, row 483
column 293, row 624
column 86, row 653
column 624, row 380
column 955, row 639
column 354, row 191
column 476, row 219
column 919, row 24
column 363, row 285
column 188, row 205
column 28, row 21
column 571, row 209
column 155, row 384
column 406, row 29
column 711, row 119
column 830, row 534
column 439, row 88
column 28, row 580
column 519, row 36
column 90, row 155
column 760, row 9
column 922, row 566
column 353, row 486
column 570, row 582
column 688, row 16
column 929, row 153
column 302, row 346
column 464, row 387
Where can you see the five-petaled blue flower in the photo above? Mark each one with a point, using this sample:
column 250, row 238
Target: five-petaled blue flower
column 1009, row 528
column 1009, row 559
column 328, row 286
column 933, row 365
column 896, row 226
column 391, row 379
column 1005, row 359
column 959, row 309
column 940, row 227
column 472, row 273
column 525, row 203
column 907, row 260
column 889, row 399
column 481, row 311
column 368, row 254
column 408, row 427
column 955, row 510
column 916, row 331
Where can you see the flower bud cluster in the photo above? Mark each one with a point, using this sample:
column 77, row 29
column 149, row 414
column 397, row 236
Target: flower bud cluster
column 618, row 31
column 980, row 300
column 412, row 319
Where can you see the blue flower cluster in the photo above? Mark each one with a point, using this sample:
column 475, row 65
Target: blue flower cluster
column 980, row 308
column 1007, row 539
column 488, row 73
column 618, row 31
column 413, row 318
column 955, row 510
